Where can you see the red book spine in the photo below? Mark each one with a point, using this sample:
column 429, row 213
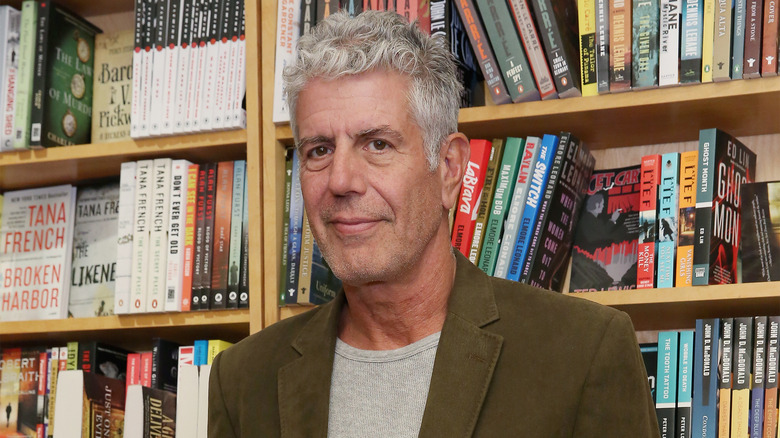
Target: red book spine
column 189, row 237
column 145, row 377
column 650, row 178
column 470, row 192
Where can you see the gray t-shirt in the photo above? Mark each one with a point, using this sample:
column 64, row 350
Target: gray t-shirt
column 380, row 393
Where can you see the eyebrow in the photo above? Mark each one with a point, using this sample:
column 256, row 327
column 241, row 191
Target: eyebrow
column 380, row 131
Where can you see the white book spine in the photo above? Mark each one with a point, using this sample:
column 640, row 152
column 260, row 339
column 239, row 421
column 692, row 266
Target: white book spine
column 287, row 31
column 173, row 35
column 187, row 395
column 203, row 401
column 199, row 69
column 669, row 48
column 10, row 20
column 182, row 64
column 178, row 207
column 158, row 235
column 141, row 227
column 157, row 104
column 124, row 248
column 209, row 91
column 138, row 68
column 146, row 90
column 239, row 114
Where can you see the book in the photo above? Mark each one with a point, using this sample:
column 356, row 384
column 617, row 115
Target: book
column 112, row 86
column 216, row 346
column 195, row 69
column 708, row 37
column 10, row 21
column 754, row 20
column 525, row 169
column 738, row 38
column 145, row 375
column 724, row 165
column 770, row 384
column 533, row 48
column 760, row 232
column 37, row 225
column 649, row 353
column 29, row 416
column 769, row 45
column 136, row 105
column 645, row 41
column 721, row 45
column 161, row 10
column 124, row 242
column 758, row 376
column 133, row 376
column 171, row 61
column 184, row 50
column 604, row 254
column 158, row 235
column 189, row 238
column 102, row 358
column 94, row 258
column 9, row 389
column 725, row 381
column 89, row 404
column 23, row 98
column 287, row 32
column 686, row 217
column 165, row 363
column 324, row 283
column 705, row 378
column 742, row 364
column 187, row 401
column 223, row 206
column 236, row 225
column 203, row 400
column 557, row 25
column 684, row 385
column 288, row 158
column 486, row 199
column 204, row 236
column 506, row 175
column 602, row 45
column 587, row 32
column 666, row 391
column 691, row 41
column 177, row 222
column 668, row 211
column 149, row 412
column 620, row 49
column 669, row 43
column 304, row 272
column 648, row 227
column 471, row 190
column 62, row 87
column 243, row 273
column 141, row 237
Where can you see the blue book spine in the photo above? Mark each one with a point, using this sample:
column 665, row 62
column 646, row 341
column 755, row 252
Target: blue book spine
column 738, row 38
column 666, row 389
column 538, row 183
column 201, row 352
column 295, row 235
column 684, row 389
column 704, row 416
column 668, row 212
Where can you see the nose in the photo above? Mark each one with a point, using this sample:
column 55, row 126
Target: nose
column 347, row 172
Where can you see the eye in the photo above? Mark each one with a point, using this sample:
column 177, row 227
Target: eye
column 318, row 152
column 378, row 145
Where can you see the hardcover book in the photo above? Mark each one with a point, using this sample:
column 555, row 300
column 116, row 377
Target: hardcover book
column 604, row 256
column 94, row 260
column 37, row 225
column 112, row 86
column 725, row 164
column 648, row 225
column 689, row 162
column 760, row 232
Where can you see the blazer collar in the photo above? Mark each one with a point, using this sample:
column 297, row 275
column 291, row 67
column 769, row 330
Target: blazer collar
column 463, row 368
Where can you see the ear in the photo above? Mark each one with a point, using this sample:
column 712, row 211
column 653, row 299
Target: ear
column 453, row 160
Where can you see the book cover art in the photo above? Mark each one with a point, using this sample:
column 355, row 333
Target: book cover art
column 668, row 195
column 761, row 232
column 725, row 164
column 65, row 117
column 112, row 86
column 645, row 43
column 470, row 192
column 10, row 21
column 689, row 162
column 691, row 41
column 604, row 256
column 94, row 251
column 37, row 229
column 10, row 377
column 648, row 221
column 150, row 412
column 102, row 358
column 705, row 378
column 29, row 382
column 557, row 25
column 104, row 404
column 620, row 46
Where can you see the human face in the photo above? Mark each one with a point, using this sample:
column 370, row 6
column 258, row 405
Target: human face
column 373, row 205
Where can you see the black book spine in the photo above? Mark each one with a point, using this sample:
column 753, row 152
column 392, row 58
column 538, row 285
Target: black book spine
column 308, row 15
column 208, row 235
column 197, row 264
column 39, row 74
column 243, row 282
column 558, row 26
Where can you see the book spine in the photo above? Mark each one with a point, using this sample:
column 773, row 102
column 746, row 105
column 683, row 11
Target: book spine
column 176, row 229
column 620, row 46
column 705, row 378
column 669, row 47
column 704, row 196
column 198, row 66
column 146, row 369
column 557, row 26
column 243, row 275
column 283, row 265
column 208, row 85
column 287, row 33
column 304, row 271
column 296, row 227
column 757, row 394
column 533, row 48
column 587, row 43
column 644, row 73
column 648, row 227
column 171, row 50
column 423, row 15
column 686, row 217
column 39, row 73
column 770, row 394
column 159, row 61
column 668, row 211
column 125, row 227
column 158, row 235
column 721, row 46
column 224, row 43
column 485, row 55
column 141, row 237
column 691, row 41
column 138, row 67
column 684, row 385
column 23, row 107
column 187, row 273
column 505, row 184
column 471, row 190
column 150, row 17
column 236, row 222
column 541, row 173
column 666, row 391
column 486, row 199
column 526, row 165
column 9, row 60
column 726, row 376
column 602, row 45
column 233, row 102
column 743, row 361
column 197, row 260
column 223, row 206
column 239, row 112
column 738, row 39
column 769, row 43
column 708, row 39
column 189, row 123
column 751, row 65
column 183, row 49
column 208, row 235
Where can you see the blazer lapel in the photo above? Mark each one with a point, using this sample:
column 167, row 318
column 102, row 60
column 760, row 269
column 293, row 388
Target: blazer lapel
column 304, row 384
column 466, row 356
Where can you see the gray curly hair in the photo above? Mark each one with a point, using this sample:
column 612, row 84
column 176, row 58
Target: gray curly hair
column 379, row 40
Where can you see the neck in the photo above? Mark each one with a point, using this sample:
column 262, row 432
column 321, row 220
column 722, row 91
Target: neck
column 384, row 316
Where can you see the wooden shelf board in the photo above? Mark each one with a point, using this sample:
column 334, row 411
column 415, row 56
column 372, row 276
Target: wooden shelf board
column 286, row 312
column 230, row 325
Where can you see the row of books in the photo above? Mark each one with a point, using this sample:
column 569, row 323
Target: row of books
column 188, row 66
column 76, row 385
column 718, row 380
column 674, row 220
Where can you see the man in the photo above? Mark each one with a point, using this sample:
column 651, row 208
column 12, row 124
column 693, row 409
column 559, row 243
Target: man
column 419, row 342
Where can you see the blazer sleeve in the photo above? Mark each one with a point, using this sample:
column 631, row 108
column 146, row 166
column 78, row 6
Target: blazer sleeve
column 220, row 423
column 616, row 400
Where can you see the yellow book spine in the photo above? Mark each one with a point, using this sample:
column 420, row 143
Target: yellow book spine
column 587, row 24
column 686, row 220
column 708, row 38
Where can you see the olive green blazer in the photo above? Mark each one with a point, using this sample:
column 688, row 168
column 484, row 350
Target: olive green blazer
column 512, row 361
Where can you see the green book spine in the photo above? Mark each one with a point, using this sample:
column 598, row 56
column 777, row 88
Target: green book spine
column 738, row 41
column 25, row 75
column 485, row 200
column 505, row 184
column 646, row 15
column 236, row 222
column 285, row 224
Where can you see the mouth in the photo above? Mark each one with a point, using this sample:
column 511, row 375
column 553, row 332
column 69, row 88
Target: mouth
column 353, row 226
